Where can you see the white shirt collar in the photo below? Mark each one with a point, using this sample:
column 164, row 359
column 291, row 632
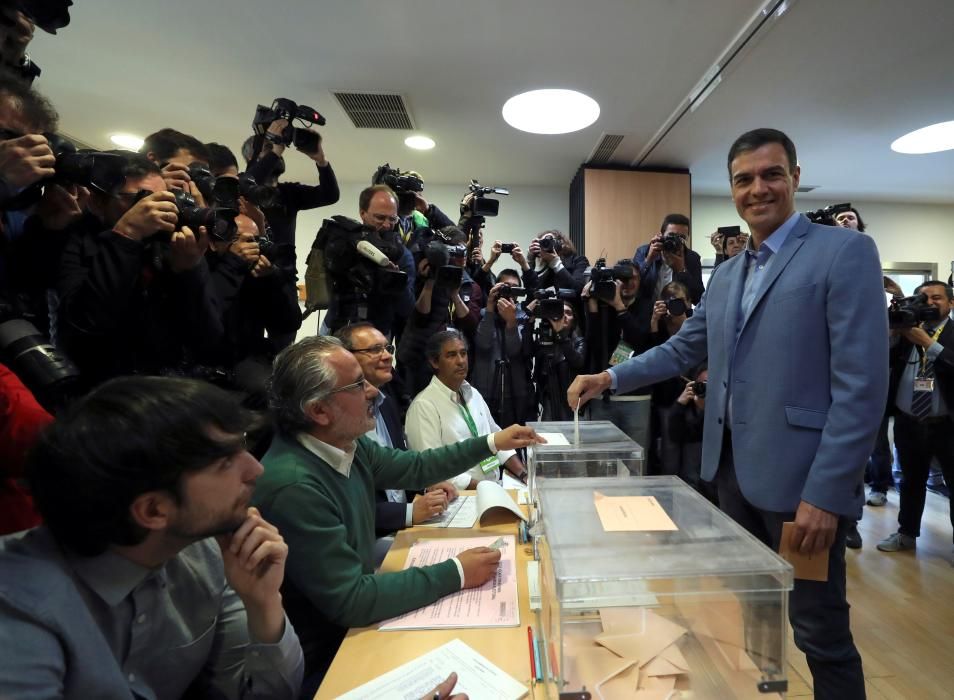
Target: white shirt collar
column 466, row 390
column 339, row 460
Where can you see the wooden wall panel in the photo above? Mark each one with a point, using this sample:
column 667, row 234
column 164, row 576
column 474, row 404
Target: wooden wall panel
column 623, row 209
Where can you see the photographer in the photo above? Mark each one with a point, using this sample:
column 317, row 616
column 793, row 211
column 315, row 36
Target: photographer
column 447, row 296
column 292, row 197
column 480, row 269
column 617, row 328
column 680, row 452
column 174, row 152
column 667, row 258
column 377, row 209
column 554, row 263
column 728, row 242
column 499, row 372
column 557, row 352
column 134, row 288
column 255, row 300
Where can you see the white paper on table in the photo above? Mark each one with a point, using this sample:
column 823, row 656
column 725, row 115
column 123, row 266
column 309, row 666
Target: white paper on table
column 510, row 484
column 460, row 513
column 491, row 495
column 554, row 438
column 492, row 605
column 476, row 676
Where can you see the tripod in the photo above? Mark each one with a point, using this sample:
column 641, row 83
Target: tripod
column 502, row 385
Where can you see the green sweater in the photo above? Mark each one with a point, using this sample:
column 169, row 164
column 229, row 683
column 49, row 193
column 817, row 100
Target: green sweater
column 328, row 522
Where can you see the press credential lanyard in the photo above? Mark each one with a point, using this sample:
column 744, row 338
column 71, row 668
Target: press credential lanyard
column 486, row 465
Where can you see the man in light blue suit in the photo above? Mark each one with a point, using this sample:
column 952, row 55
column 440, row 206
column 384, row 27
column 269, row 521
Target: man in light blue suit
column 795, row 331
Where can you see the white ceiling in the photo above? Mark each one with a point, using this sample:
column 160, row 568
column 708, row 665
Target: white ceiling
column 843, row 77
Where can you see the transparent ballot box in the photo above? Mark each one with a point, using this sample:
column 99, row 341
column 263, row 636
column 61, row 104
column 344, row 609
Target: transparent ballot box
column 603, row 450
column 696, row 611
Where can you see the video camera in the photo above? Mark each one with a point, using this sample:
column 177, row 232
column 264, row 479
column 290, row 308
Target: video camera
column 303, row 139
column 404, row 185
column 550, row 302
column 604, row 278
column 909, row 312
column 475, row 206
column 438, row 247
column 511, row 293
column 91, row 169
column 826, row 216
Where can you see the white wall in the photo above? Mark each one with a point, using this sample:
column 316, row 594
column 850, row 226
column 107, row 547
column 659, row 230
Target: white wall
column 903, row 232
column 523, row 214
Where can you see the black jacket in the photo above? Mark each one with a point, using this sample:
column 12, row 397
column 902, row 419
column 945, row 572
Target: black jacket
column 943, row 368
column 388, row 516
column 649, row 273
column 119, row 315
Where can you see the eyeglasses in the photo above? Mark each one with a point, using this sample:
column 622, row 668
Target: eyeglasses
column 359, row 385
column 384, row 218
column 376, row 350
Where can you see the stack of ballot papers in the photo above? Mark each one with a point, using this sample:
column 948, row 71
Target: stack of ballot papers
column 465, row 511
column 476, row 676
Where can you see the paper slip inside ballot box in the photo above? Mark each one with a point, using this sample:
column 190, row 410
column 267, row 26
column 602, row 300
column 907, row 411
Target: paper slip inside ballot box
column 492, row 605
column 554, row 438
column 476, row 676
column 809, row 567
column 467, row 510
column 631, row 513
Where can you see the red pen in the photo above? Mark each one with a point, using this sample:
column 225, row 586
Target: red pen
column 533, row 665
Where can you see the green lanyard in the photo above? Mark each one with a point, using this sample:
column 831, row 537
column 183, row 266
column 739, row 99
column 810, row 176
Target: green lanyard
column 468, row 419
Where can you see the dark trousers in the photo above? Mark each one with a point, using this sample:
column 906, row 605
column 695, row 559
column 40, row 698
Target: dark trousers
column 818, row 611
column 918, row 442
column 878, row 472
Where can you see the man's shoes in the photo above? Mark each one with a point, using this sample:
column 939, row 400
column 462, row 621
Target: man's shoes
column 877, row 498
column 897, row 542
column 853, row 539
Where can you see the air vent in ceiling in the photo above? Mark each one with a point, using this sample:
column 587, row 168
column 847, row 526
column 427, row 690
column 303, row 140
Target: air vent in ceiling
column 807, row 188
column 605, row 148
column 369, row 110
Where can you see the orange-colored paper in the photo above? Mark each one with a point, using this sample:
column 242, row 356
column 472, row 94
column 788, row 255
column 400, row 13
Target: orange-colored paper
column 810, row 567
column 644, row 644
column 631, row 513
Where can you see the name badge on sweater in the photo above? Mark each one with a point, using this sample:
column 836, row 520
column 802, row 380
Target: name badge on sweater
column 489, row 465
column 622, row 353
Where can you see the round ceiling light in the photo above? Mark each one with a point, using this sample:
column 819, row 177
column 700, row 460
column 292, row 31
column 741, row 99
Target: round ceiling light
column 127, row 141
column 550, row 111
column 421, row 143
column 930, row 139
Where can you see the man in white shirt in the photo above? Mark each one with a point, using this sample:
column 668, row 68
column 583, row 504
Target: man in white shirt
column 450, row 410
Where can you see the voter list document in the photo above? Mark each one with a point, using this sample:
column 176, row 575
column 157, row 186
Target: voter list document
column 492, row 605
column 477, row 677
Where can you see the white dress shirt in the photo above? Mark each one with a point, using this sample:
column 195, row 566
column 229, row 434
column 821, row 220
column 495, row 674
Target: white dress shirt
column 436, row 418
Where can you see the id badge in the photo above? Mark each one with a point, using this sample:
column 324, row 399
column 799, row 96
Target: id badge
column 622, row 353
column 489, row 465
column 924, row 384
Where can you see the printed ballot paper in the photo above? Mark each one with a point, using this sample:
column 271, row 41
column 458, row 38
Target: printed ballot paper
column 492, row 605
column 467, row 510
column 476, row 676
column 631, row 513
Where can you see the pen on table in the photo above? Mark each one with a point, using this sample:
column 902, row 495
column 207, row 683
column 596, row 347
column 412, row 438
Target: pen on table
column 532, row 647
column 538, row 666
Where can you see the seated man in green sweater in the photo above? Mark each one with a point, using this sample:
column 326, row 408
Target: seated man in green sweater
column 321, row 473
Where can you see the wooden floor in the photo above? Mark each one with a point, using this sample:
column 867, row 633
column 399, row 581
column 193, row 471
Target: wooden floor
column 902, row 613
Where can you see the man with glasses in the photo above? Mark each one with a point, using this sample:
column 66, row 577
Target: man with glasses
column 378, row 210
column 133, row 285
column 321, row 472
column 395, row 509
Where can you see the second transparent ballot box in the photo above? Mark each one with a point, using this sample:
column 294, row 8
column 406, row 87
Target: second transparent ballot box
column 602, row 450
column 646, row 586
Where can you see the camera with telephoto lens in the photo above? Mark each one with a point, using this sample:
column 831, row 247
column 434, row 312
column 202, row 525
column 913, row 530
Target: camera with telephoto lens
column 403, row 184
column 219, row 222
column 550, row 302
column 46, row 371
column 826, row 216
column 303, row 139
column 604, row 278
column 699, row 389
column 227, row 190
column 676, row 307
column 511, row 293
column 672, row 243
column 204, row 180
column 94, row 170
column 909, row 312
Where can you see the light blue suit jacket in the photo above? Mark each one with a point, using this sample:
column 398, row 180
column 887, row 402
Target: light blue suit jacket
column 809, row 370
